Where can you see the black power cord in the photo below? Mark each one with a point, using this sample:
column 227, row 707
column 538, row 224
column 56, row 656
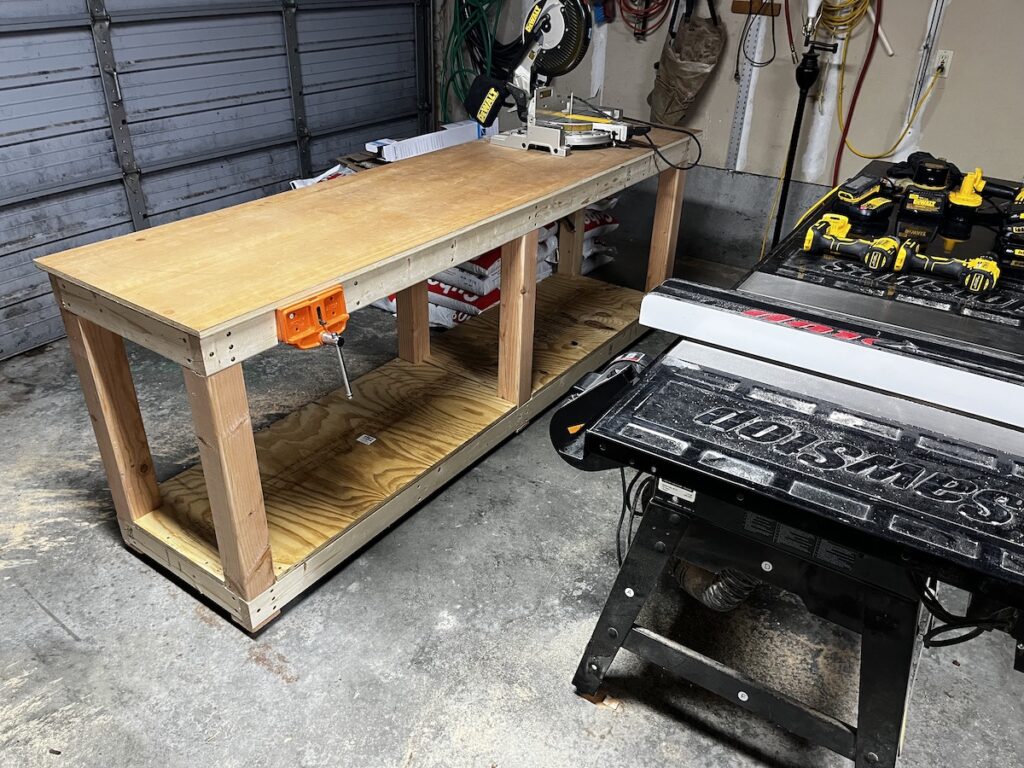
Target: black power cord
column 636, row 496
column 657, row 151
column 627, row 491
column 638, row 506
column 970, row 626
column 748, row 25
column 696, row 161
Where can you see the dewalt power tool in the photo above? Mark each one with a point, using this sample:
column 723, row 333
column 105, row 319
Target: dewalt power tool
column 966, row 199
column 1010, row 245
column 829, row 235
column 1013, row 221
column 555, row 38
column 977, row 275
column 1011, row 254
column 1015, row 209
column 928, row 179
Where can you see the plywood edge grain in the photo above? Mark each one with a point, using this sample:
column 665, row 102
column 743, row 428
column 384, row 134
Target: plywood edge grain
column 167, row 339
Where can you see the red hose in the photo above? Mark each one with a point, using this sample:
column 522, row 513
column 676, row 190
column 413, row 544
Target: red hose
column 856, row 92
column 635, row 15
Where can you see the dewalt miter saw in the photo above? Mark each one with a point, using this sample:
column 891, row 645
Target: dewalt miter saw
column 555, row 39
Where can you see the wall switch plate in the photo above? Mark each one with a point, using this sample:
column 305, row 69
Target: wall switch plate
column 943, row 61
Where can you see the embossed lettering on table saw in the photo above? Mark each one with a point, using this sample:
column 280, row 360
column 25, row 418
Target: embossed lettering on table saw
column 983, row 504
column 1005, row 301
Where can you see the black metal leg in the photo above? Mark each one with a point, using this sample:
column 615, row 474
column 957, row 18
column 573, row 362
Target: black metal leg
column 1018, row 636
column 888, row 657
column 656, row 540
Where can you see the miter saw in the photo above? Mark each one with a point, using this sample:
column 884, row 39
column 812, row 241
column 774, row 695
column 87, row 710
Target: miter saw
column 555, row 39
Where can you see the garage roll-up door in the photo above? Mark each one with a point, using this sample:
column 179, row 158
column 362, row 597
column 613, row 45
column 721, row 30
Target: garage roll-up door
column 116, row 115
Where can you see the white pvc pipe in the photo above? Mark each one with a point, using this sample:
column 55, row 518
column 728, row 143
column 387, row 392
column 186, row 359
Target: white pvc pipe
column 748, row 113
column 881, row 33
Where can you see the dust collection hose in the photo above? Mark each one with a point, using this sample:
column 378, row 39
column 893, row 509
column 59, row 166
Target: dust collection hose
column 723, row 591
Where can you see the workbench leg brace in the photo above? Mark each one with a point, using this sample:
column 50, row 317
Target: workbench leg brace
column 889, row 624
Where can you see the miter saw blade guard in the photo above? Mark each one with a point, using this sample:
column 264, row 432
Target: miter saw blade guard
column 556, row 36
column 566, row 40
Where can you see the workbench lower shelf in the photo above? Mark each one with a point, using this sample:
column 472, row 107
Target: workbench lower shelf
column 337, row 472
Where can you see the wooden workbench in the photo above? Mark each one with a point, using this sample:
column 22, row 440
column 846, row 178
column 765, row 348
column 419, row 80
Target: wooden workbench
column 267, row 515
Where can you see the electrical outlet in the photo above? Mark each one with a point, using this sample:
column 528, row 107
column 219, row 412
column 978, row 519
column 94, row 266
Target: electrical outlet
column 943, row 62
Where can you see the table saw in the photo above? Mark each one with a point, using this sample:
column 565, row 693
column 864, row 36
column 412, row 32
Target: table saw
column 854, row 438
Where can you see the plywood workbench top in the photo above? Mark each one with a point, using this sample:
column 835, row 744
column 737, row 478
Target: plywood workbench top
column 208, row 271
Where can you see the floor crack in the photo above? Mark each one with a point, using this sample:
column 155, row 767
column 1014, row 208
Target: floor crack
column 50, row 613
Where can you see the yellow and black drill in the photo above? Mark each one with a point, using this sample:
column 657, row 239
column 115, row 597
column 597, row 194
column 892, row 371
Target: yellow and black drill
column 829, row 235
column 977, row 275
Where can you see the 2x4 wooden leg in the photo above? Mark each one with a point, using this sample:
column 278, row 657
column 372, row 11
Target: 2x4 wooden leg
column 224, row 432
column 515, row 325
column 220, row 414
column 571, row 233
column 113, row 405
column 665, row 235
column 413, row 323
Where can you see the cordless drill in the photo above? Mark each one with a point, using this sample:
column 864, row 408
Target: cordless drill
column 977, row 275
column 829, row 235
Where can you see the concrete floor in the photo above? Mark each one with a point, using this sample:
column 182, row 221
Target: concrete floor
column 450, row 641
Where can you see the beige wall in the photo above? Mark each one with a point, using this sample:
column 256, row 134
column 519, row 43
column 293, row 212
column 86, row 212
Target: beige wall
column 972, row 118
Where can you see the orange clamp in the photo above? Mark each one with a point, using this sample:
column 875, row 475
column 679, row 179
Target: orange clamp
column 302, row 323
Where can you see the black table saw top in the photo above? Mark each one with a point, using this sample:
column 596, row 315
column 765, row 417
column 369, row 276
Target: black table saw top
column 918, row 490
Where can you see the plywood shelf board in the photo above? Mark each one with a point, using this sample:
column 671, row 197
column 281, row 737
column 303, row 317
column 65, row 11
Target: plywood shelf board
column 319, row 480
column 575, row 315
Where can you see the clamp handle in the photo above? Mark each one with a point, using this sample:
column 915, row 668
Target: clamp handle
column 336, row 340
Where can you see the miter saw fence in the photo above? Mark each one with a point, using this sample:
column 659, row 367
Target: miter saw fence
column 556, row 36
